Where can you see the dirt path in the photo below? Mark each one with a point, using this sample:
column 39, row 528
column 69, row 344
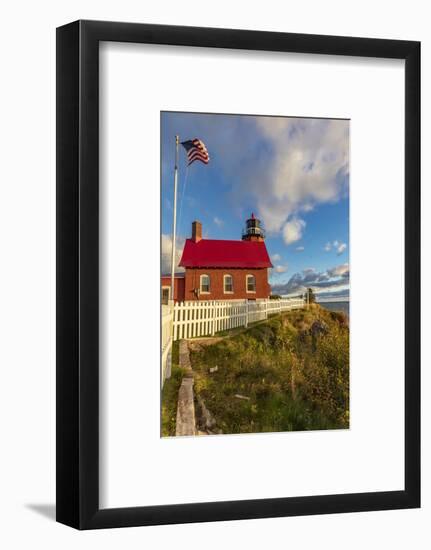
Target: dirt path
column 186, row 421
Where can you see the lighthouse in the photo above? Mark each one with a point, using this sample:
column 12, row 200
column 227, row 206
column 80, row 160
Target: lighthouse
column 253, row 230
column 221, row 269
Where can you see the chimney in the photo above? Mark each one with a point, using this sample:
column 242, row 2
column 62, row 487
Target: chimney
column 196, row 231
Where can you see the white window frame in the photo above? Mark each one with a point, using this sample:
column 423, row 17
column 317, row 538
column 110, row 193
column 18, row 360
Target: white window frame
column 209, row 284
column 224, row 283
column 246, row 283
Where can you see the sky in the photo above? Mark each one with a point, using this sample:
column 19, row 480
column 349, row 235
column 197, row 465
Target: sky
column 293, row 173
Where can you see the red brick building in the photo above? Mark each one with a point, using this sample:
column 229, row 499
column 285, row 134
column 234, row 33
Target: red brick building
column 179, row 282
column 223, row 269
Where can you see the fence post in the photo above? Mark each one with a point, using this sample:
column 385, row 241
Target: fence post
column 213, row 318
column 246, row 313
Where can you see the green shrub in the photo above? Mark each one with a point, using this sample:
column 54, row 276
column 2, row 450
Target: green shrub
column 170, row 395
column 295, row 379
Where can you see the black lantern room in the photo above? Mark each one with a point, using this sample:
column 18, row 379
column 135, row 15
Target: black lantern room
column 253, row 229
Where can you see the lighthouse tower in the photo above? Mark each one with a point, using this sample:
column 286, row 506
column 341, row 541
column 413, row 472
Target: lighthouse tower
column 253, row 230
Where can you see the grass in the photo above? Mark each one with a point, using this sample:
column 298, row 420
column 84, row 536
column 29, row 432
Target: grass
column 293, row 368
column 170, row 395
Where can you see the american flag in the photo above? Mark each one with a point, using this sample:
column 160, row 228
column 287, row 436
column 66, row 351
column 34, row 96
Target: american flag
column 196, row 150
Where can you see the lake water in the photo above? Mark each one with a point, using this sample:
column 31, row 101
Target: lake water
column 336, row 306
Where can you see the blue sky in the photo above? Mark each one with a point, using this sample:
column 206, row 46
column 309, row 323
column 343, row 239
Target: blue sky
column 292, row 172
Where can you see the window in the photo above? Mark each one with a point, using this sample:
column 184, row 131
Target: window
column 228, row 284
column 166, row 291
column 251, row 283
column 205, row 284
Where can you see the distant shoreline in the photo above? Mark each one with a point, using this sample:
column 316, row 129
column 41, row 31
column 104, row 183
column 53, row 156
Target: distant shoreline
column 332, row 300
column 338, row 305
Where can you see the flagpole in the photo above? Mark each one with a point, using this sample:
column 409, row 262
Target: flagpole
column 174, row 226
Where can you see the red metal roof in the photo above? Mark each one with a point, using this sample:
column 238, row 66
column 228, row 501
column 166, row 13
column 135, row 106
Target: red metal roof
column 220, row 253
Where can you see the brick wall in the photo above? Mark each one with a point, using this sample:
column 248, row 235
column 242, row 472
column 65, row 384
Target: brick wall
column 178, row 286
column 192, row 281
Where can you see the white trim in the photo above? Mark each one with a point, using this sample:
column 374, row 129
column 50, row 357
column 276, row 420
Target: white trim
column 200, row 284
column 224, row 284
column 246, row 283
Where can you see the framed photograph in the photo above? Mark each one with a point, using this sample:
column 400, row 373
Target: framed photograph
column 238, row 274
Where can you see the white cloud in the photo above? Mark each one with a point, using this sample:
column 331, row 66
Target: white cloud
column 280, row 268
column 341, row 248
column 282, row 167
column 339, row 271
column 167, row 252
column 218, row 221
column 299, row 249
column 337, row 245
column 310, row 165
column 276, row 257
column 332, row 280
column 292, row 230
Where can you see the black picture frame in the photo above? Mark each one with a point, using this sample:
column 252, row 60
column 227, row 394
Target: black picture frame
column 78, row 274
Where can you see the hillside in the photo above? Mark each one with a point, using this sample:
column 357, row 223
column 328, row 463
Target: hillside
column 288, row 373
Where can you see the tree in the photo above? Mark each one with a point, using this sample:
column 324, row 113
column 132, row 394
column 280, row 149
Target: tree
column 311, row 296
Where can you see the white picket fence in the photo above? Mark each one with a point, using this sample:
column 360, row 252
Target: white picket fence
column 194, row 319
column 167, row 332
column 206, row 318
